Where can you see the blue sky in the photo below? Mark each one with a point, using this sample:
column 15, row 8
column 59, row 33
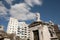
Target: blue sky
column 49, row 10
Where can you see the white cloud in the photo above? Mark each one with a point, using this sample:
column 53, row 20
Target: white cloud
column 1, row 3
column 3, row 10
column 33, row 2
column 9, row 1
column 21, row 12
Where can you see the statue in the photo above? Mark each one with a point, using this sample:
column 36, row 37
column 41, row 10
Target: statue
column 38, row 17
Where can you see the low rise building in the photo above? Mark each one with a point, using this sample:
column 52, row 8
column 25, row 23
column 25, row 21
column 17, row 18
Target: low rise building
column 23, row 30
column 40, row 30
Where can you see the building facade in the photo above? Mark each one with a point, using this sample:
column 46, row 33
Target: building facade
column 18, row 28
column 23, row 30
column 12, row 26
column 40, row 30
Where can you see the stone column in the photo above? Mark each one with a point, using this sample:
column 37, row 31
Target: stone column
column 31, row 35
column 40, row 29
column 46, row 33
column 40, row 35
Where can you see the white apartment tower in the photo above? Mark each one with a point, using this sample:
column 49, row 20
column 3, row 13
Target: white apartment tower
column 12, row 26
column 18, row 28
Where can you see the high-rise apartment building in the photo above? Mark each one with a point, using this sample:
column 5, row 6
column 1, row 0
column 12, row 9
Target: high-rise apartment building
column 18, row 28
column 12, row 26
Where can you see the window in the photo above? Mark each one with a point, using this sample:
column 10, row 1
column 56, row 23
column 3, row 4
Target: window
column 25, row 27
column 22, row 29
column 12, row 31
column 22, row 36
column 25, row 34
column 22, row 32
column 18, row 33
column 51, row 33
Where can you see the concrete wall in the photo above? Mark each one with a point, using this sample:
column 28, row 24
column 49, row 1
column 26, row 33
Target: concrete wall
column 46, row 34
